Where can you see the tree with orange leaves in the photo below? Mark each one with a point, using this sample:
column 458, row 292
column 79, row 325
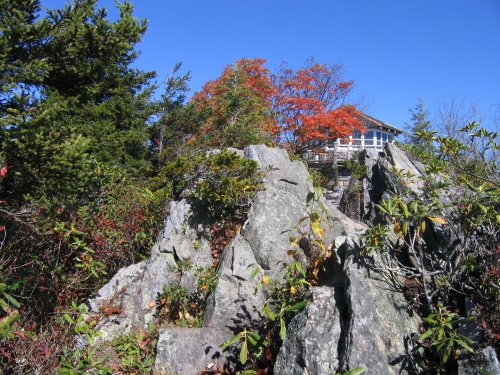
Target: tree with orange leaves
column 300, row 109
column 310, row 106
column 240, row 106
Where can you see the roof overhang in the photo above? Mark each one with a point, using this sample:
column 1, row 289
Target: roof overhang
column 372, row 123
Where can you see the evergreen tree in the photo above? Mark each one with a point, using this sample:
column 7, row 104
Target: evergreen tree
column 420, row 124
column 74, row 121
column 177, row 121
column 68, row 94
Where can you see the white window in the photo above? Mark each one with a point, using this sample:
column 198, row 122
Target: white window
column 369, row 138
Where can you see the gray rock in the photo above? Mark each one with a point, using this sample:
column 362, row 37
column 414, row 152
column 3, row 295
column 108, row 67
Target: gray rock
column 358, row 319
column 381, row 178
column 378, row 323
column 278, row 207
column 485, row 359
column 366, row 323
column 312, row 343
column 493, row 365
column 232, row 149
column 134, row 290
column 185, row 351
column 397, row 159
column 369, row 157
column 400, row 160
column 420, row 167
column 234, row 303
column 122, row 293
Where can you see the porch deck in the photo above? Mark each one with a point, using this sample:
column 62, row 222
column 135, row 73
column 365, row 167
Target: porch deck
column 339, row 154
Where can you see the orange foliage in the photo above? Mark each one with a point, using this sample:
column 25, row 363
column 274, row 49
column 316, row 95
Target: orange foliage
column 300, row 109
column 310, row 106
column 241, row 96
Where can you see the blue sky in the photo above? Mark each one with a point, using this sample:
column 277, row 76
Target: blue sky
column 394, row 50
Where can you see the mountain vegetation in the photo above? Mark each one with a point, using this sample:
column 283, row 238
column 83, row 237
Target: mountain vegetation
column 90, row 158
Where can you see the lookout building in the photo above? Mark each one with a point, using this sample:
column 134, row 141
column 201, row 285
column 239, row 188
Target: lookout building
column 377, row 134
column 331, row 158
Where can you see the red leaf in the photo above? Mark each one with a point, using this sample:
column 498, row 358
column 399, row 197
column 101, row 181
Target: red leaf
column 310, row 105
column 268, row 353
column 3, row 171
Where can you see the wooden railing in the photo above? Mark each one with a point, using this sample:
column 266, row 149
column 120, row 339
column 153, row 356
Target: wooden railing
column 340, row 153
column 324, row 157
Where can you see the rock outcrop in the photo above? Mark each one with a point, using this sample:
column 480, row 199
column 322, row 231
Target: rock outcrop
column 357, row 317
column 360, row 320
column 134, row 290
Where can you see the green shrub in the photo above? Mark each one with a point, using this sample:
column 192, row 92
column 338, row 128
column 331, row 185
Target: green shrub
column 224, row 183
column 357, row 166
column 460, row 208
column 230, row 185
column 136, row 351
column 442, row 334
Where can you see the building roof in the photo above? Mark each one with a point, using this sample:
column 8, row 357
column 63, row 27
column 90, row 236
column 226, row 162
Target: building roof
column 372, row 123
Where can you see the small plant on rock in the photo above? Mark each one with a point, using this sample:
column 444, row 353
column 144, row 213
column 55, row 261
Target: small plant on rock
column 207, row 278
column 173, row 303
column 310, row 237
column 373, row 239
column 83, row 362
column 136, row 351
column 356, row 371
column 286, row 298
column 442, row 334
column 252, row 345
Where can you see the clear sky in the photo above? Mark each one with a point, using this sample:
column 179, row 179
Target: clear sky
column 394, row 50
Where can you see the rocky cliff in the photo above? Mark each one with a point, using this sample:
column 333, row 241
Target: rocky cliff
column 355, row 317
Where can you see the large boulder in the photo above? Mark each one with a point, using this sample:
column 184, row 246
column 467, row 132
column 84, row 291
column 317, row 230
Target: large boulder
column 378, row 323
column 397, row 171
column 312, row 345
column 388, row 171
column 263, row 244
column 128, row 301
column 359, row 321
column 356, row 317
